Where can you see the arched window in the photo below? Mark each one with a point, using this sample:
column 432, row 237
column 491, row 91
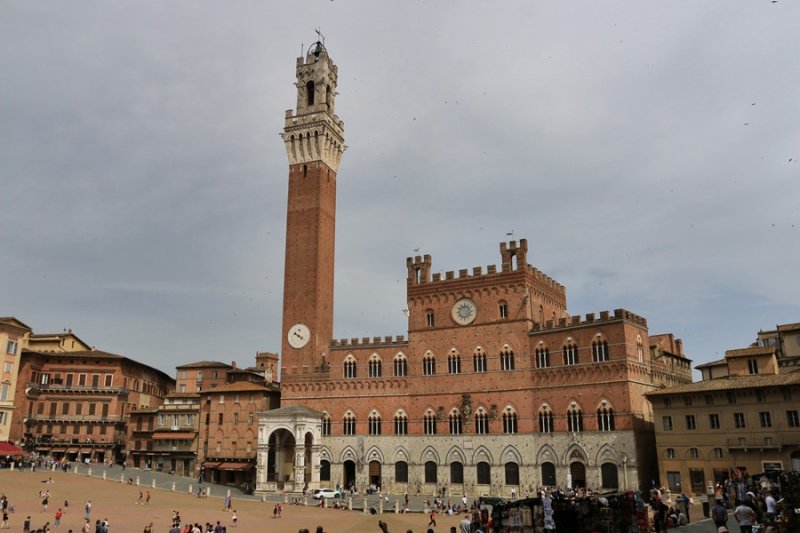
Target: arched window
column 545, row 420
column 310, row 92
column 484, row 472
column 570, row 353
column 375, row 366
column 429, row 364
column 542, row 357
column 456, row 473
column 400, row 423
column 324, row 470
column 574, row 419
column 350, row 367
column 326, row 424
column 400, row 365
column 509, row 421
column 512, row 474
column 430, row 318
column 374, row 422
column 453, row 362
column 430, row 472
column 478, row 360
column 599, row 351
column 639, row 348
column 481, row 421
column 605, row 418
column 455, row 422
column 429, row 423
column 507, row 359
column 349, row 424
column 401, row 472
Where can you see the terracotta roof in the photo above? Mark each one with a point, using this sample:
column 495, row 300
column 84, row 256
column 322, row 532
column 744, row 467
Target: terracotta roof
column 11, row 321
column 206, row 364
column 789, row 327
column 733, row 382
column 238, row 386
column 752, row 350
column 718, row 362
column 99, row 354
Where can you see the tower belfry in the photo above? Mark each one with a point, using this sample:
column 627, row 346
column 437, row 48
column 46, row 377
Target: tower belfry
column 314, row 140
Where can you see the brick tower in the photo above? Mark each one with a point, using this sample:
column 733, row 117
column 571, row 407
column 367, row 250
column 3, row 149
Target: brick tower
column 314, row 141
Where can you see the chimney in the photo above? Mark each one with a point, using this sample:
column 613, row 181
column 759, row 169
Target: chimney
column 233, row 364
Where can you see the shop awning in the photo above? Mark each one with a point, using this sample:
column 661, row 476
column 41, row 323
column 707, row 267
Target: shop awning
column 210, row 464
column 86, row 450
column 6, row 448
column 58, row 450
column 235, row 466
column 178, row 435
column 72, row 450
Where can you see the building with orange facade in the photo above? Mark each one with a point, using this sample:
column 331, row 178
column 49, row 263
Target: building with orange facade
column 496, row 387
column 75, row 404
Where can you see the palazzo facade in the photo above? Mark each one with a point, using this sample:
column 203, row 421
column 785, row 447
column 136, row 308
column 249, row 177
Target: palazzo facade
column 496, row 387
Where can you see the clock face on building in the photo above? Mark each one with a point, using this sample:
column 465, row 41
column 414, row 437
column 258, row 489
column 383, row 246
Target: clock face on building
column 464, row 311
column 298, row 335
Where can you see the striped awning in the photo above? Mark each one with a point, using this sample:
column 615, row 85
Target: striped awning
column 210, row 464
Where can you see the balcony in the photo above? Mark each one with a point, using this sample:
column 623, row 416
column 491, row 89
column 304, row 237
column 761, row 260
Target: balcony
column 60, row 387
column 69, row 419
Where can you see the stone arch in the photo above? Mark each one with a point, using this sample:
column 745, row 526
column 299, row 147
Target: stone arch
column 401, row 454
column 348, row 453
column 482, row 453
column 429, row 454
column 547, row 455
column 325, row 453
column 606, row 454
column 456, row 454
column 374, row 454
column 511, row 455
column 575, row 453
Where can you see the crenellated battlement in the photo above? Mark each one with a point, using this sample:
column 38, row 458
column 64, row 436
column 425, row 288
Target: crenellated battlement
column 573, row 321
column 388, row 340
column 514, row 257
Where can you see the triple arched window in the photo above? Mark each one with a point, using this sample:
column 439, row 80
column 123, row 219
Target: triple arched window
column 374, row 423
column 400, row 366
column 605, row 418
column 507, row 359
column 453, row 362
column 350, row 367
column 429, row 364
column 509, row 421
column 375, row 366
column 570, row 353
column 542, row 357
column 574, row 419
column 400, row 423
column 545, row 419
column 429, row 423
column 478, row 360
column 481, row 422
column 599, row 350
column 349, row 424
column 456, row 427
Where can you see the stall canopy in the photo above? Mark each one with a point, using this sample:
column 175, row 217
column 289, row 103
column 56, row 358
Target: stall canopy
column 236, row 466
column 6, row 448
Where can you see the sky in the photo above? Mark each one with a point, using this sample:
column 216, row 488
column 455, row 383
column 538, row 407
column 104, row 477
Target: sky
column 648, row 151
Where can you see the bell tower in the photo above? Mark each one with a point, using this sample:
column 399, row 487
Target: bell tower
column 314, row 139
